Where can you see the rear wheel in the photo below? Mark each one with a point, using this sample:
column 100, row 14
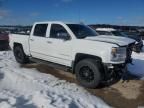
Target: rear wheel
column 88, row 73
column 20, row 55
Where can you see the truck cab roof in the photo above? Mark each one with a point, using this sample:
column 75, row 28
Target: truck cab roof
column 57, row 22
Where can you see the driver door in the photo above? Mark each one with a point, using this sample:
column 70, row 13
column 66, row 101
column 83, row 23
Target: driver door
column 60, row 45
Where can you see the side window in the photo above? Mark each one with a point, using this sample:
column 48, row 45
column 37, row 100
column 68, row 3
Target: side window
column 40, row 30
column 58, row 31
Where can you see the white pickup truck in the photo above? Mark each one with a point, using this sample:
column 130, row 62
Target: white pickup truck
column 76, row 47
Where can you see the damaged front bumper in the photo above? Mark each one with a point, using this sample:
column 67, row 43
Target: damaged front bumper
column 114, row 71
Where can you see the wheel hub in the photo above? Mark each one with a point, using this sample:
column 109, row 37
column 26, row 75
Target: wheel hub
column 87, row 74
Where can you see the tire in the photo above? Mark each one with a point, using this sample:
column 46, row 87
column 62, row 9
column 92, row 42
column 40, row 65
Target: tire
column 88, row 73
column 20, row 55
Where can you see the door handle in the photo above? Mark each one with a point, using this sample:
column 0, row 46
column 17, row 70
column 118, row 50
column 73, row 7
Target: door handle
column 31, row 39
column 49, row 42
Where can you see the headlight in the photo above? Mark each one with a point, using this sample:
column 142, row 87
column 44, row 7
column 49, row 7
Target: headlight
column 118, row 54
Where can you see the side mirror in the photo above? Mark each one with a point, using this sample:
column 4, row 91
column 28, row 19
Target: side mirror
column 63, row 35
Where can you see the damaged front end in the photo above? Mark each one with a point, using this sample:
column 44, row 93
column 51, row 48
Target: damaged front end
column 115, row 71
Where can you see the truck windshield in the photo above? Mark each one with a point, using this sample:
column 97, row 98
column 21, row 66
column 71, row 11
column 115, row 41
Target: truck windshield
column 82, row 31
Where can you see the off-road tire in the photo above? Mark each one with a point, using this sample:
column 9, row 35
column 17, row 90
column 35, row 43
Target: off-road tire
column 20, row 55
column 95, row 77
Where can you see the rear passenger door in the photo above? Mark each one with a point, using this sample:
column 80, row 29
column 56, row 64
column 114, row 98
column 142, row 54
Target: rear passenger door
column 38, row 41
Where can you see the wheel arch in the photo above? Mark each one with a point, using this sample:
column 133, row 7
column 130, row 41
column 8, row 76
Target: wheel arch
column 17, row 44
column 81, row 56
column 24, row 58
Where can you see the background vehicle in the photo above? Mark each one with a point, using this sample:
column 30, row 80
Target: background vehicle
column 75, row 47
column 110, row 31
column 4, row 41
column 139, row 42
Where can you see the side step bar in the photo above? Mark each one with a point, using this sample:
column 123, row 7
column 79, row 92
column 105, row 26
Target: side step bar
column 50, row 64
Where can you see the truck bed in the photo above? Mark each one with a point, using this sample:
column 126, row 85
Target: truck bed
column 20, row 39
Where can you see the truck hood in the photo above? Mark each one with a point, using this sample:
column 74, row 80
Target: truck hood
column 120, row 41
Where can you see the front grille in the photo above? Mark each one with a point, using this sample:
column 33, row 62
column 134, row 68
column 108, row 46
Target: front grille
column 129, row 53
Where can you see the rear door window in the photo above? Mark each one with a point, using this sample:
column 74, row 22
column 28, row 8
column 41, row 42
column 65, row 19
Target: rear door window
column 40, row 30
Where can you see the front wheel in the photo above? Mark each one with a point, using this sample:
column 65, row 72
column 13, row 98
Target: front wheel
column 20, row 55
column 88, row 73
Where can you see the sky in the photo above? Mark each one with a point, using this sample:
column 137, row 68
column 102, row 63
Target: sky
column 26, row 12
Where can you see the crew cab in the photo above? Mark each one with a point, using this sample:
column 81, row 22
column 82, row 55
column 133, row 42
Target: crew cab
column 76, row 47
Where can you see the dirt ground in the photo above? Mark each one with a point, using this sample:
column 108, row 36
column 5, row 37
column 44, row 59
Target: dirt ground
column 123, row 94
